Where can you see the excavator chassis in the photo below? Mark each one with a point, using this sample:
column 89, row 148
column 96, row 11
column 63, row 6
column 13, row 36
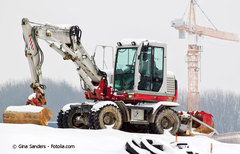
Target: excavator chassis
column 142, row 118
column 153, row 118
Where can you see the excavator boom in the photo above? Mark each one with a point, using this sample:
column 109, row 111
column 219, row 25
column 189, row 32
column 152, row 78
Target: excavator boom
column 66, row 41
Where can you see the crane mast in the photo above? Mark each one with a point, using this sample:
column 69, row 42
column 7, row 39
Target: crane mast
column 66, row 42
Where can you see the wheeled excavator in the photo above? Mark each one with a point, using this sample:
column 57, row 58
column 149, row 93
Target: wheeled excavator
column 139, row 93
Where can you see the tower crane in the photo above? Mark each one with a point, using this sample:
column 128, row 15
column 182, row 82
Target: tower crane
column 194, row 32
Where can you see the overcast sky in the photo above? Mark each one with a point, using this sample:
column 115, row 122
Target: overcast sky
column 108, row 21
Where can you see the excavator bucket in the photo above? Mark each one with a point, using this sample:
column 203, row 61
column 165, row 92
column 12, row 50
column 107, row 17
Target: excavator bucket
column 202, row 116
column 31, row 113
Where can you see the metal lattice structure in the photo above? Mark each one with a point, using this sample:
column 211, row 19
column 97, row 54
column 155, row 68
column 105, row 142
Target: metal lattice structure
column 194, row 49
column 193, row 61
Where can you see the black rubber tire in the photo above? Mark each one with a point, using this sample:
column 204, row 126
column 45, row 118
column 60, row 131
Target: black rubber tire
column 147, row 146
column 107, row 115
column 130, row 149
column 62, row 119
column 59, row 119
column 65, row 119
column 71, row 120
column 91, row 120
column 164, row 116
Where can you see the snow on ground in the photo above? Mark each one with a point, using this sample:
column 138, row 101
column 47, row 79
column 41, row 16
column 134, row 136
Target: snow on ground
column 34, row 139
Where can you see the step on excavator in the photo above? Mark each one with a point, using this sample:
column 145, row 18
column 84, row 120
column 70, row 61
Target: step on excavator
column 139, row 95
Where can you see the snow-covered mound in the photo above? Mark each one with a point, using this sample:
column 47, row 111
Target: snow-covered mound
column 34, row 139
column 25, row 108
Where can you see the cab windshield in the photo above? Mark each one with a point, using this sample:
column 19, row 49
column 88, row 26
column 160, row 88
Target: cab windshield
column 125, row 68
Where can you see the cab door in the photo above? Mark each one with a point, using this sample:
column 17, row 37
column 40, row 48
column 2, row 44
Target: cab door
column 151, row 69
column 125, row 69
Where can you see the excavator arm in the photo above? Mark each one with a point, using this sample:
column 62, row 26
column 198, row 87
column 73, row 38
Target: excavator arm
column 66, row 41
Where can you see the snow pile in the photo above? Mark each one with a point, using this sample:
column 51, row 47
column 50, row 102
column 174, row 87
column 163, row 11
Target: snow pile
column 95, row 108
column 101, row 104
column 29, row 139
column 25, row 108
column 32, row 96
column 67, row 106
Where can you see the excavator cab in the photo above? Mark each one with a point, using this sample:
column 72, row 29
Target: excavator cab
column 140, row 67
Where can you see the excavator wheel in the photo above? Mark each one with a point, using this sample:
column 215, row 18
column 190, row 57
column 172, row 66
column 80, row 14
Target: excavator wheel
column 59, row 119
column 77, row 120
column 166, row 119
column 108, row 116
column 62, row 119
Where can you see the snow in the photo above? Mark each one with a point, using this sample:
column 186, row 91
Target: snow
column 139, row 150
column 65, row 26
column 33, row 95
column 67, row 106
column 170, row 74
column 96, row 106
column 25, row 108
column 100, row 104
column 153, row 149
column 29, row 138
column 184, row 114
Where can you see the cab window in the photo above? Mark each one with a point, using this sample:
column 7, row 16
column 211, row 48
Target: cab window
column 125, row 69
